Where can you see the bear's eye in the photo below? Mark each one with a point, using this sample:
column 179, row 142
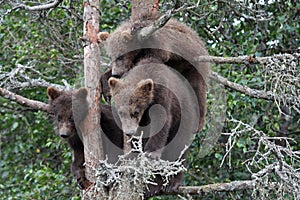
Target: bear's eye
column 58, row 118
column 71, row 118
column 135, row 114
column 121, row 113
column 120, row 58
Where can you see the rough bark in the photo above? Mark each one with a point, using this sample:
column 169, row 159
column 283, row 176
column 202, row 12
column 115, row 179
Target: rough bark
column 91, row 130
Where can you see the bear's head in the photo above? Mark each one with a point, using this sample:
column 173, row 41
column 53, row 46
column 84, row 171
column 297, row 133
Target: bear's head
column 123, row 63
column 68, row 107
column 130, row 101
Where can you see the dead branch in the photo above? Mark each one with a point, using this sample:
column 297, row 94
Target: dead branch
column 146, row 32
column 134, row 171
column 268, row 95
column 217, row 187
column 36, row 105
column 281, row 74
column 239, row 59
column 21, row 77
column 270, row 162
column 38, row 7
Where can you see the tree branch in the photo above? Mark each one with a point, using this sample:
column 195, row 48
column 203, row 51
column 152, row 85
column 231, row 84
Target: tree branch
column 281, row 77
column 268, row 95
column 20, row 77
column 146, row 32
column 39, row 7
column 36, row 105
column 217, row 187
column 242, row 59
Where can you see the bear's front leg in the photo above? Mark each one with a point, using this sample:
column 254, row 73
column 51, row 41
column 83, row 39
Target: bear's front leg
column 79, row 174
column 78, row 169
column 156, row 143
column 104, row 84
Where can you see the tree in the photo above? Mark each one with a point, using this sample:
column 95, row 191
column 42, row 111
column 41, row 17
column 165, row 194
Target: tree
column 275, row 140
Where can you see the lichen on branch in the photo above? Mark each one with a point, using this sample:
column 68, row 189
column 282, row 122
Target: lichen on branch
column 136, row 170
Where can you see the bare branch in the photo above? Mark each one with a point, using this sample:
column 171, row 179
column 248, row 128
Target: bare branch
column 239, row 59
column 281, row 74
column 38, row 7
column 270, row 162
column 218, row 187
column 36, row 105
column 268, row 95
column 18, row 78
column 146, row 32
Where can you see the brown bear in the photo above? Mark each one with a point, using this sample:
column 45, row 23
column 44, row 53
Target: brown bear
column 63, row 105
column 175, row 45
column 157, row 100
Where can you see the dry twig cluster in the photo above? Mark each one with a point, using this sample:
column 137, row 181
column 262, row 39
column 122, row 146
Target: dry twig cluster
column 135, row 170
column 282, row 77
column 274, row 167
column 23, row 77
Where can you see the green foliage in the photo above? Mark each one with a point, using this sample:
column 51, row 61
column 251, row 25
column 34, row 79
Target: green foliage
column 35, row 163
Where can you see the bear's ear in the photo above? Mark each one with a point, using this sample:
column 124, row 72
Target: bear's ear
column 81, row 93
column 53, row 93
column 80, row 106
column 146, row 86
column 113, row 83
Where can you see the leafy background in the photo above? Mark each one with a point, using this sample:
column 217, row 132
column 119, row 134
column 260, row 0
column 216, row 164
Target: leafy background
column 35, row 163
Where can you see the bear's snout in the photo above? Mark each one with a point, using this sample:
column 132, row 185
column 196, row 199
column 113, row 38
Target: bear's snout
column 129, row 132
column 64, row 131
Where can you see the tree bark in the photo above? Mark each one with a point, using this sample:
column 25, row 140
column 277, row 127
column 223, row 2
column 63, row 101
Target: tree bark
column 91, row 130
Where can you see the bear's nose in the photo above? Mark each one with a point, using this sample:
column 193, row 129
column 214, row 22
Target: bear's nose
column 64, row 135
column 130, row 132
column 115, row 76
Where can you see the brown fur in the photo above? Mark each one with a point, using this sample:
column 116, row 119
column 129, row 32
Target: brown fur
column 175, row 45
column 64, row 105
column 137, row 95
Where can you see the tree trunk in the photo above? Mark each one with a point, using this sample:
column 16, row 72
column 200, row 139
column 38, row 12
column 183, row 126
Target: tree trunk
column 91, row 130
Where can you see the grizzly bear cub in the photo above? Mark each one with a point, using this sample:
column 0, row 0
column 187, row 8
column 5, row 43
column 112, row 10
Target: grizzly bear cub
column 155, row 99
column 70, row 108
column 175, row 44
